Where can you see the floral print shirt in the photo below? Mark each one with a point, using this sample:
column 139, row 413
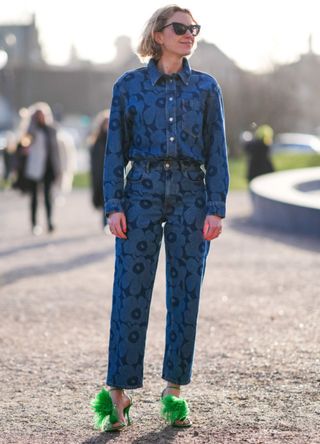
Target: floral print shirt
column 159, row 116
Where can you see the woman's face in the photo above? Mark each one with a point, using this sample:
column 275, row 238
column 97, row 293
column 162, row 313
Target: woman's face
column 39, row 117
column 173, row 44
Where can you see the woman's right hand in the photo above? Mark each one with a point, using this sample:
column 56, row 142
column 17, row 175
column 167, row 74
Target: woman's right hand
column 118, row 224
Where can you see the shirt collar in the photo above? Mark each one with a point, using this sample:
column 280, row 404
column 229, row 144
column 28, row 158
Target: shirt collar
column 156, row 75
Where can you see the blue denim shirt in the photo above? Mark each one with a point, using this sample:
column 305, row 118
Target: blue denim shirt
column 158, row 116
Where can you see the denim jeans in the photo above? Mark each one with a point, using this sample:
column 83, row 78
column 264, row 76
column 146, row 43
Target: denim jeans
column 161, row 197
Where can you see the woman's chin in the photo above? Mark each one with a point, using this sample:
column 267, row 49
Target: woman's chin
column 185, row 52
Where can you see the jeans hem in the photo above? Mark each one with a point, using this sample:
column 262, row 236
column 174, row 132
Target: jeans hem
column 124, row 386
column 175, row 381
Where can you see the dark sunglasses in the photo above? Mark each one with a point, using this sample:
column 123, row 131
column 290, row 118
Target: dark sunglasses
column 180, row 28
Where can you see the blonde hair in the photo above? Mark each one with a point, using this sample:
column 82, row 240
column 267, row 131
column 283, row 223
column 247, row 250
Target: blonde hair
column 264, row 133
column 26, row 116
column 97, row 124
column 148, row 47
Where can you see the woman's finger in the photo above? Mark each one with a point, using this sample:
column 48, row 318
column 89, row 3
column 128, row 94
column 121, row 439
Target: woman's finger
column 123, row 223
column 213, row 232
column 118, row 225
column 205, row 229
column 118, row 231
column 209, row 233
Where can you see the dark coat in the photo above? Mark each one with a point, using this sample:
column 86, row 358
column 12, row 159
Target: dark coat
column 259, row 161
column 96, row 162
column 21, row 183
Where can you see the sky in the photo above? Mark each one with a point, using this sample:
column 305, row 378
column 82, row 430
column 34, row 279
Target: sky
column 254, row 33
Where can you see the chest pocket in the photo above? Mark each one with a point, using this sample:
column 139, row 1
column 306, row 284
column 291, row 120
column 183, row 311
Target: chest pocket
column 192, row 116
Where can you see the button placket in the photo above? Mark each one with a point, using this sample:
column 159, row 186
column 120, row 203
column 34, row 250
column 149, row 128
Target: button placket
column 171, row 114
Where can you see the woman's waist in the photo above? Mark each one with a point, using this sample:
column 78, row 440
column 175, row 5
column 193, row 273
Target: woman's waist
column 167, row 163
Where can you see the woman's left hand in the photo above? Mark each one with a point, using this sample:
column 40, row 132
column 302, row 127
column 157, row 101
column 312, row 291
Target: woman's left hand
column 212, row 227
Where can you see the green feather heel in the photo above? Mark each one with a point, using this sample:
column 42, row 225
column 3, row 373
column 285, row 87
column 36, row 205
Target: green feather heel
column 175, row 410
column 106, row 414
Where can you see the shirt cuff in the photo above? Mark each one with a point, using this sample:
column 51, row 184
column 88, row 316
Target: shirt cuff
column 113, row 206
column 216, row 208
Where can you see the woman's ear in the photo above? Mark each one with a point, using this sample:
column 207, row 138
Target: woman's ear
column 158, row 37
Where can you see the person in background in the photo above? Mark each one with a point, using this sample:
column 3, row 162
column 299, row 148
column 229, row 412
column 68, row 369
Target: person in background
column 258, row 152
column 68, row 163
column 97, row 144
column 43, row 165
column 168, row 121
column 8, row 151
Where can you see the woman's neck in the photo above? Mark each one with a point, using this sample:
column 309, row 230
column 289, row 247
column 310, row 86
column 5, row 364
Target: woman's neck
column 170, row 65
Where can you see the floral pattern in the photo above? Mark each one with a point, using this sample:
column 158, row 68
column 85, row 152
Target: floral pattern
column 158, row 116
column 159, row 201
column 171, row 129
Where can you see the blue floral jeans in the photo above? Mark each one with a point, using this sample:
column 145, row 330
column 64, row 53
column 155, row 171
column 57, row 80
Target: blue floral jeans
column 161, row 197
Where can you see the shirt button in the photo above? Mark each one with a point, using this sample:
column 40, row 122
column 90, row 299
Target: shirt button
column 170, row 119
column 171, row 80
column 171, row 139
column 170, row 98
column 167, row 165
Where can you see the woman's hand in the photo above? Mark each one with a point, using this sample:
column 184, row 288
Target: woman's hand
column 118, row 224
column 212, row 227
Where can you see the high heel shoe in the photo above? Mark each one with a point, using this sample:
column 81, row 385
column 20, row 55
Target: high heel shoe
column 106, row 413
column 175, row 410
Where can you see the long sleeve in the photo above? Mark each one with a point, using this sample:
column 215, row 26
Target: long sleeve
column 217, row 173
column 116, row 157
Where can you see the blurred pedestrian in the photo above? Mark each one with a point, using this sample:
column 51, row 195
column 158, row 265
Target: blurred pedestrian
column 8, row 152
column 168, row 121
column 43, row 166
column 68, row 164
column 258, row 152
column 97, row 144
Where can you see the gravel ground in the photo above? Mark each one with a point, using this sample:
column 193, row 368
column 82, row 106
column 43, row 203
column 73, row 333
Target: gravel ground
column 256, row 373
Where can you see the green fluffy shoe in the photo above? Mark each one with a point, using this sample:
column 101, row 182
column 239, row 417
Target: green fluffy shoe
column 106, row 414
column 175, row 410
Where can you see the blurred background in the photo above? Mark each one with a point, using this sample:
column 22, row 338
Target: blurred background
column 265, row 55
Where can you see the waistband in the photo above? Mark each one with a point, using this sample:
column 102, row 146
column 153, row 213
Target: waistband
column 167, row 164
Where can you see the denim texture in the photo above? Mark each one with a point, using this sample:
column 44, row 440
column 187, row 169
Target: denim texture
column 161, row 199
column 158, row 116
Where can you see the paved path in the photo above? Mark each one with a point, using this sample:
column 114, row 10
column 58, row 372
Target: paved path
column 256, row 375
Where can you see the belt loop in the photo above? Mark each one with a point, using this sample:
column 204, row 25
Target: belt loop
column 147, row 169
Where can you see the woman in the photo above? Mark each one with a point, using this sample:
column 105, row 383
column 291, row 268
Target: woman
column 167, row 120
column 43, row 165
column 258, row 152
column 97, row 143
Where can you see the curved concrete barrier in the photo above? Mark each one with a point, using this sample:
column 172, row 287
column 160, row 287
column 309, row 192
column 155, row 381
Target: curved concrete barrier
column 288, row 200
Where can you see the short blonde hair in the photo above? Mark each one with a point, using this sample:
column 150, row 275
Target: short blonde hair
column 148, row 47
column 264, row 133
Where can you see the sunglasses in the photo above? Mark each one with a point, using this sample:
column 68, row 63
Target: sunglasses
column 180, row 28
